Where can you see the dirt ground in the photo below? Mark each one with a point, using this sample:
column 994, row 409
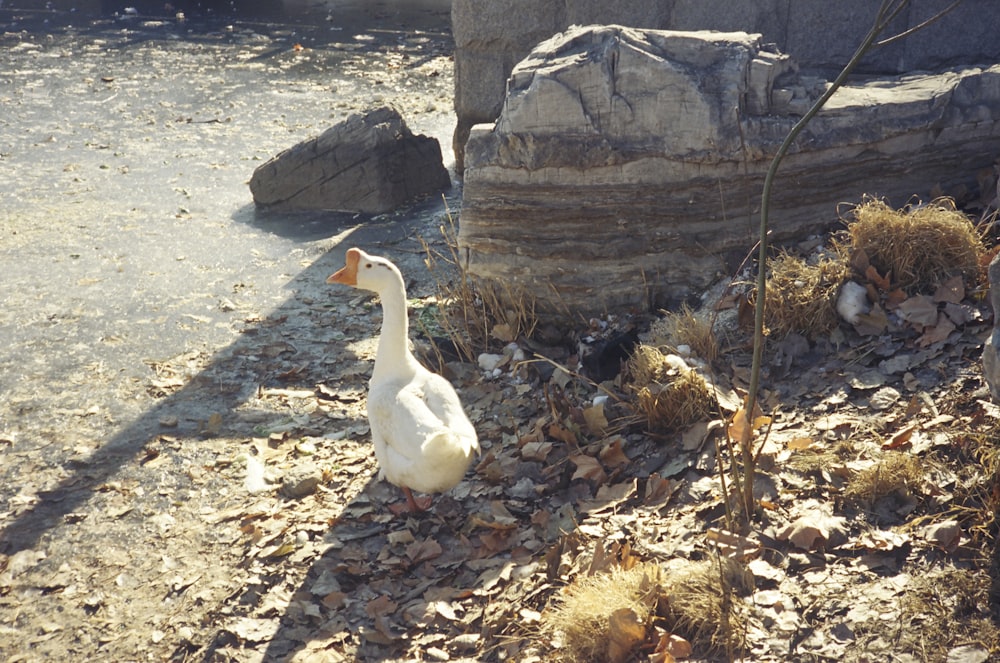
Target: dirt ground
column 185, row 466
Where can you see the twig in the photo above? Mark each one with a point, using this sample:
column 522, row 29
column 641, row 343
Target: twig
column 888, row 10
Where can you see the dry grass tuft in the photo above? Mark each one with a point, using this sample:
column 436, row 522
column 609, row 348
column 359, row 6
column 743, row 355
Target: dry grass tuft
column 696, row 600
column 942, row 607
column 685, row 327
column 583, row 616
column 802, row 296
column 473, row 314
column 917, row 248
column 701, row 603
column 668, row 394
column 898, row 473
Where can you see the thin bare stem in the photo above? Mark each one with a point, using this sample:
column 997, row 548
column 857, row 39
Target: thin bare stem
column 888, row 10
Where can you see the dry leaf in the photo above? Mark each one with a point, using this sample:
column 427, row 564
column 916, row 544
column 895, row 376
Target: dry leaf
column 859, row 261
column 625, row 631
column 421, row 551
column 694, row 437
column 248, row 629
column 536, row 450
column 894, row 298
column 960, row 314
column 739, row 428
column 383, row 605
column 334, row 600
column 657, row 489
column 597, row 423
column 938, row 333
column 952, row 291
column 881, row 282
column 502, row 332
column 813, row 531
column 587, row 467
column 559, row 432
column 733, row 545
column 278, row 551
column 945, row 535
column 609, row 497
column 880, row 540
column 873, row 323
column 613, row 453
column 745, row 313
column 919, row 310
column 674, row 646
column 800, row 443
column 900, row 438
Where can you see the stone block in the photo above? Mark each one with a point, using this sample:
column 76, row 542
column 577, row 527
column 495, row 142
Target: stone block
column 627, row 165
column 370, row 163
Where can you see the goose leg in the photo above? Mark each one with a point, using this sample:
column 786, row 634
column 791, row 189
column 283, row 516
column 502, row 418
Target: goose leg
column 412, row 504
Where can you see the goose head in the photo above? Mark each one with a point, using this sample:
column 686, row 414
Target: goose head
column 367, row 272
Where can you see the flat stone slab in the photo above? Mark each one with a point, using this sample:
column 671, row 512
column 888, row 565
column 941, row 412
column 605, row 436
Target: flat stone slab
column 370, row 163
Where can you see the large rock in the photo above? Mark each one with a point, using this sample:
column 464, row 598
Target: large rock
column 991, row 350
column 491, row 37
column 626, row 164
column 369, row 163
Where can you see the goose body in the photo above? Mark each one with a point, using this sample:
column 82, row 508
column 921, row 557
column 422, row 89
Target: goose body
column 423, row 439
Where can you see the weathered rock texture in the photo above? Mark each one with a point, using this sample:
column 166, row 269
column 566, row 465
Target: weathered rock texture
column 991, row 350
column 492, row 36
column 369, row 163
column 627, row 163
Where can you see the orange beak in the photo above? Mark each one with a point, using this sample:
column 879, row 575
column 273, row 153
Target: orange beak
column 348, row 275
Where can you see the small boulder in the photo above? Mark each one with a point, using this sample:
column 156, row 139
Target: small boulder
column 369, row 163
column 991, row 351
column 301, row 482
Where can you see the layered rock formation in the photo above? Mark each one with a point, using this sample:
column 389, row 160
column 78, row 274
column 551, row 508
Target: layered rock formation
column 627, row 163
column 491, row 37
column 371, row 163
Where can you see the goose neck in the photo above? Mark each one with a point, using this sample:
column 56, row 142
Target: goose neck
column 393, row 355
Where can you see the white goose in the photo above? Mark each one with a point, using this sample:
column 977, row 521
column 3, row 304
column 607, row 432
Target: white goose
column 423, row 439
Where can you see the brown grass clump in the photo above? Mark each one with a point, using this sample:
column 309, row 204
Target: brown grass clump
column 802, row 296
column 939, row 608
column 701, row 603
column 684, row 327
column 696, row 600
column 583, row 616
column 668, row 394
column 474, row 314
column 898, row 473
column 917, row 248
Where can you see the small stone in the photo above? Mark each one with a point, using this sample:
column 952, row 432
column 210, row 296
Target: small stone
column 488, row 361
column 300, row 482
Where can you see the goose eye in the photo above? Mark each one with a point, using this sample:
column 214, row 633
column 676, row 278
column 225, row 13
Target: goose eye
column 368, row 265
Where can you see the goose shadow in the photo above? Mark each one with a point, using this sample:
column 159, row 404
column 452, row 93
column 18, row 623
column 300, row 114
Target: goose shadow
column 370, row 559
column 219, row 400
column 229, row 381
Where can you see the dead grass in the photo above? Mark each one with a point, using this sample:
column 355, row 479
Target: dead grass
column 943, row 608
column 582, row 617
column 897, row 473
column 685, row 328
column 668, row 394
column 917, row 248
column 696, row 600
column 802, row 295
column 472, row 314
